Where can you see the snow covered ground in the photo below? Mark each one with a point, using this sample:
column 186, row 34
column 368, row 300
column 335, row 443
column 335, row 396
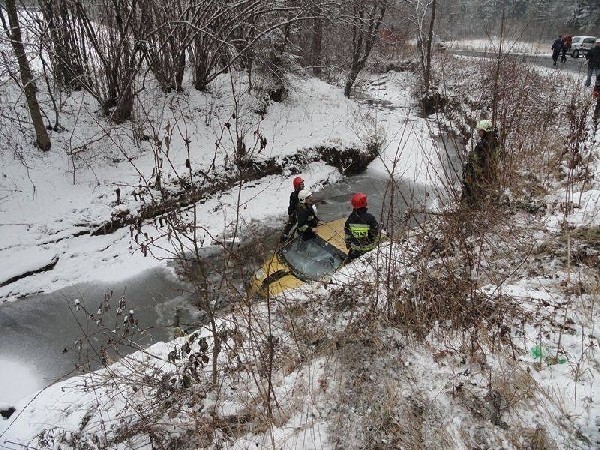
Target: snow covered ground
column 45, row 205
column 49, row 210
column 508, row 45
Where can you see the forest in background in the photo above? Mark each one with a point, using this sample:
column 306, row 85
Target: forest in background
column 109, row 48
column 529, row 19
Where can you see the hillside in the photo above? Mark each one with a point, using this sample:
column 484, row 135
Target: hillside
column 476, row 328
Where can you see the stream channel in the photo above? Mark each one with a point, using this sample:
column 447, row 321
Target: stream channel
column 40, row 332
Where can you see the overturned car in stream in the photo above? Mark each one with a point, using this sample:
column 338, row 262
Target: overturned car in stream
column 299, row 261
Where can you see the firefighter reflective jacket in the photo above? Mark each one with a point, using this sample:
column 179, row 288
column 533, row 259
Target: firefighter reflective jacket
column 361, row 231
column 293, row 204
column 306, row 220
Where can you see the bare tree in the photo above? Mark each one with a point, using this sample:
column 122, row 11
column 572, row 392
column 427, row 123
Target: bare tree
column 163, row 31
column 246, row 34
column 317, row 40
column 64, row 50
column 13, row 31
column 100, row 48
column 121, row 60
column 427, row 47
column 365, row 20
column 423, row 19
column 228, row 33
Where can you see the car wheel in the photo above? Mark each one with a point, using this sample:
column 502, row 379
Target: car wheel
column 575, row 54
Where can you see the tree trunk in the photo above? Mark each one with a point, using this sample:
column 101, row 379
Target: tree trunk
column 14, row 34
column 179, row 71
column 62, row 48
column 317, row 43
column 427, row 71
column 125, row 97
column 124, row 107
column 366, row 22
column 350, row 81
column 201, row 68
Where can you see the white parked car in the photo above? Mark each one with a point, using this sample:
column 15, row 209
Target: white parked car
column 580, row 45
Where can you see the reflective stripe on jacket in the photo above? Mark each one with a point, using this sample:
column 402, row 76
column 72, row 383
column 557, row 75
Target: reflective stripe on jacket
column 361, row 231
column 306, row 218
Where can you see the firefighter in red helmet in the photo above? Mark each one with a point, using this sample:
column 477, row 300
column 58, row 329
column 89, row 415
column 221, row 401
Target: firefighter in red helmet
column 298, row 184
column 361, row 230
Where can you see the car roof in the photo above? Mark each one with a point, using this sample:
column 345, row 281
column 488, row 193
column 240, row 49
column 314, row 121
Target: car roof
column 584, row 37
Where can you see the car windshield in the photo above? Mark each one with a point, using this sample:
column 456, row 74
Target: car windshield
column 312, row 259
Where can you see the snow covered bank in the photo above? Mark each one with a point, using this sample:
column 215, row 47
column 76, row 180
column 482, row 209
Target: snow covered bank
column 51, row 205
column 477, row 333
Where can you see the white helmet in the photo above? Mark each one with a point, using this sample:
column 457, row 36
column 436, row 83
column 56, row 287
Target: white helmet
column 304, row 194
column 485, row 125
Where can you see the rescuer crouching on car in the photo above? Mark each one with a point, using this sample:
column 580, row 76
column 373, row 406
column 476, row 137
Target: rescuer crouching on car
column 306, row 216
column 361, row 231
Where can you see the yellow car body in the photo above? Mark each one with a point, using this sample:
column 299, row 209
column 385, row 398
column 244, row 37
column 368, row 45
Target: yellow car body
column 298, row 261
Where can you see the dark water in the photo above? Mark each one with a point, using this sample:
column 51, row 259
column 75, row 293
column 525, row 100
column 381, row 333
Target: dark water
column 396, row 203
column 387, row 201
column 41, row 332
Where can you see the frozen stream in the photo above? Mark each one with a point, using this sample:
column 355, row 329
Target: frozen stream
column 39, row 333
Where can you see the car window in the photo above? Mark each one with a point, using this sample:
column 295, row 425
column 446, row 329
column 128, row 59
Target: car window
column 577, row 39
column 312, row 259
column 589, row 40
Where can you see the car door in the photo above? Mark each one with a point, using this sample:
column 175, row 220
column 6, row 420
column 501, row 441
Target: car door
column 588, row 43
column 576, row 44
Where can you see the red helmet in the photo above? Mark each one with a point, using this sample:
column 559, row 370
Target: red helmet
column 297, row 182
column 359, row 200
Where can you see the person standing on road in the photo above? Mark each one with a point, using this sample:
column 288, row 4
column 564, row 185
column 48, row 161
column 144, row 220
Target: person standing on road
column 557, row 47
column 567, row 41
column 306, row 216
column 361, row 230
column 298, row 184
column 593, row 57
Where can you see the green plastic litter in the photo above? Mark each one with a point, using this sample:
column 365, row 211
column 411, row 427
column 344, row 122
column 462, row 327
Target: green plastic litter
column 538, row 352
